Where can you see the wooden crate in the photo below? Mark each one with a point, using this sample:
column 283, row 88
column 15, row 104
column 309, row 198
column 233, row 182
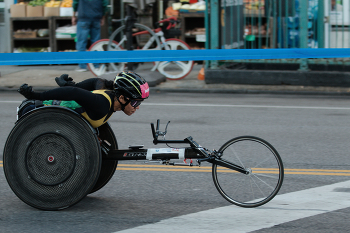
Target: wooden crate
column 28, row 34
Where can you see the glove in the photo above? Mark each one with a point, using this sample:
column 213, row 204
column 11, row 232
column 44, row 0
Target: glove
column 64, row 80
column 27, row 91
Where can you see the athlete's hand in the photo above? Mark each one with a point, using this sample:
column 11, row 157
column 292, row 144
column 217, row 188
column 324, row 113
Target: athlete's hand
column 64, row 80
column 27, row 91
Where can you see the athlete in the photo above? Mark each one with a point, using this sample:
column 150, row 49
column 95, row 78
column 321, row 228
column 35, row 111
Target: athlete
column 125, row 94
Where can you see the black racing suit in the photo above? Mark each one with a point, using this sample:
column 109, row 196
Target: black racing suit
column 97, row 106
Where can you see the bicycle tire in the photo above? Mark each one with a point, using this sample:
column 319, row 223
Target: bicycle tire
column 265, row 168
column 139, row 39
column 103, row 68
column 175, row 70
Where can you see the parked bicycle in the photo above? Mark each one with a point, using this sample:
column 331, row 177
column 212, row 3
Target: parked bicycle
column 143, row 38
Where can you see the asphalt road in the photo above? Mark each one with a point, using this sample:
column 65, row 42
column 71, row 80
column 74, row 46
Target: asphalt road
column 311, row 133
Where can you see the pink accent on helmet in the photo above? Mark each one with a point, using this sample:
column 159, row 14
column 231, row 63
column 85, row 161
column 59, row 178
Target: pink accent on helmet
column 144, row 90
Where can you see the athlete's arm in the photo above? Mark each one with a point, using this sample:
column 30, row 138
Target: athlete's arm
column 88, row 84
column 95, row 84
column 96, row 106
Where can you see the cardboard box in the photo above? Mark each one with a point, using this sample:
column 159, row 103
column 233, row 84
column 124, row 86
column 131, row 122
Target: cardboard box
column 18, row 10
column 27, row 34
column 51, row 11
column 66, row 11
column 35, row 11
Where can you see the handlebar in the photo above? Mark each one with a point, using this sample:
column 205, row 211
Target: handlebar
column 189, row 140
column 171, row 19
column 156, row 133
column 172, row 22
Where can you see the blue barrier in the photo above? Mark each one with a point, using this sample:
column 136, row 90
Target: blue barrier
column 165, row 55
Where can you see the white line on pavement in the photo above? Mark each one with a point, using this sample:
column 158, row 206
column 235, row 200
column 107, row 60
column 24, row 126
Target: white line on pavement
column 225, row 105
column 283, row 208
column 10, row 101
column 245, row 106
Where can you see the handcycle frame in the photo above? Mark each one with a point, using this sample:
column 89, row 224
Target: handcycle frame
column 262, row 191
column 194, row 152
column 32, row 156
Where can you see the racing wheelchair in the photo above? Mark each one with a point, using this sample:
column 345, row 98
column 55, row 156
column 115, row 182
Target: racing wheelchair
column 53, row 158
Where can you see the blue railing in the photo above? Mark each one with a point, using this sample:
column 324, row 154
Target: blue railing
column 167, row 55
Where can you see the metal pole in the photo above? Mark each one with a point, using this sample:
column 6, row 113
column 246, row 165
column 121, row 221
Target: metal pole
column 214, row 26
column 303, row 32
column 207, row 30
column 320, row 24
column 160, row 5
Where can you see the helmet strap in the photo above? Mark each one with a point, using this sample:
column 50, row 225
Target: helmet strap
column 123, row 105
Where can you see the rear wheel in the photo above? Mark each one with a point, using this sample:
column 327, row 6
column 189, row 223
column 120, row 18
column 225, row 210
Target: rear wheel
column 51, row 163
column 265, row 172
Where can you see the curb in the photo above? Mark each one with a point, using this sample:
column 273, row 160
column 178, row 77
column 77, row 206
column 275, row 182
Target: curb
column 247, row 91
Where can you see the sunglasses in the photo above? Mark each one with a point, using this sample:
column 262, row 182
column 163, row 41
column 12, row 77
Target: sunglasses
column 135, row 103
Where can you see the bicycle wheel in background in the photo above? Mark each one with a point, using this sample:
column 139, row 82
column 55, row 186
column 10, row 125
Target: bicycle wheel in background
column 102, row 68
column 265, row 175
column 143, row 39
column 175, row 70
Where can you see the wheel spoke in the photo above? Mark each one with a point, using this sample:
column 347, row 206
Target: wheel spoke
column 265, row 175
column 236, row 155
column 268, row 185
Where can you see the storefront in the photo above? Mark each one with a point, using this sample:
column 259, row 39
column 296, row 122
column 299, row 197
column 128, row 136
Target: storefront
column 337, row 32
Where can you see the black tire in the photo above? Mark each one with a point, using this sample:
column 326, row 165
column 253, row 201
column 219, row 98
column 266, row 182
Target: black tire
column 52, row 158
column 108, row 166
column 265, row 168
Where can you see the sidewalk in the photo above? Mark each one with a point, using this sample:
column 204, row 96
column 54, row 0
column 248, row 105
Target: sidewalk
column 43, row 78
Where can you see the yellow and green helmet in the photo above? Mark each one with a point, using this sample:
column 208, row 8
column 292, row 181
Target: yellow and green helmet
column 131, row 85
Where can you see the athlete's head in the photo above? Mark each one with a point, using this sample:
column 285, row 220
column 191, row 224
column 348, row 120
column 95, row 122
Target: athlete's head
column 130, row 88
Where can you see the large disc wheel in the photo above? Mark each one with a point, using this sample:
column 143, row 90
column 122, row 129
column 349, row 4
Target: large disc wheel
column 108, row 166
column 264, row 175
column 52, row 158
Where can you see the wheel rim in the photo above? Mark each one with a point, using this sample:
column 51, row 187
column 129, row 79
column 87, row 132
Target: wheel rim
column 103, row 68
column 50, row 159
column 175, row 69
column 265, row 172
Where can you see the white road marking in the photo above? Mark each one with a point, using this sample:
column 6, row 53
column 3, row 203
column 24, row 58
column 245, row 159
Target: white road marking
column 225, row 106
column 10, row 101
column 245, row 106
column 283, row 208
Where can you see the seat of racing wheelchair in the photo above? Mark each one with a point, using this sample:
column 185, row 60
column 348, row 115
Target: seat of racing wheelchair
column 52, row 158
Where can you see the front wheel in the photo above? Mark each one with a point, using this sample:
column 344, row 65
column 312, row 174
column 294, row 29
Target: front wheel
column 175, row 70
column 264, row 172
